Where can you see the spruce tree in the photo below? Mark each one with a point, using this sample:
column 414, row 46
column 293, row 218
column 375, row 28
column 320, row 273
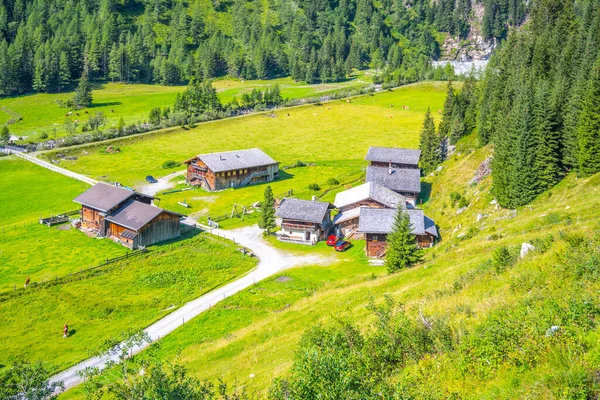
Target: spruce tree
column 4, row 135
column 589, row 127
column 402, row 250
column 267, row 216
column 83, row 93
column 429, row 145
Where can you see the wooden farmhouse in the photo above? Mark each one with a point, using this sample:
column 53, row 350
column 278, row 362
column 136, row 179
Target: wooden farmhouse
column 396, row 169
column 377, row 223
column 231, row 169
column 350, row 202
column 126, row 216
column 303, row 221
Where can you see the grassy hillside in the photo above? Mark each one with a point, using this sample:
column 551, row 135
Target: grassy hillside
column 28, row 116
column 498, row 318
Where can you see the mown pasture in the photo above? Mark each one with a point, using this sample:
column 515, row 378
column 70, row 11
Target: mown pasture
column 30, row 115
column 332, row 139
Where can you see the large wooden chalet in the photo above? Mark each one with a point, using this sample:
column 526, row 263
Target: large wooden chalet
column 396, row 169
column 349, row 203
column 303, row 221
column 128, row 217
column 377, row 223
column 231, row 169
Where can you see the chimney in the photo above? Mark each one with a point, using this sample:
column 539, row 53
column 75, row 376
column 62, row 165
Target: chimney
column 220, row 158
column 390, row 168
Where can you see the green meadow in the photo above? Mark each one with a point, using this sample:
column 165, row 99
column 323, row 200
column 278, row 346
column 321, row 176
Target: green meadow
column 28, row 192
column 30, row 115
column 257, row 331
column 317, row 135
column 98, row 303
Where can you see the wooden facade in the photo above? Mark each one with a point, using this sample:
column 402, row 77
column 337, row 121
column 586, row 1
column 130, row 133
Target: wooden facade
column 200, row 174
column 376, row 243
column 164, row 227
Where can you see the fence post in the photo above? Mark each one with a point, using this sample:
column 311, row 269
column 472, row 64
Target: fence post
column 15, row 288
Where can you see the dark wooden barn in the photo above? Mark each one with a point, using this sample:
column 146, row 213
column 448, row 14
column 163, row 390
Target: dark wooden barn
column 126, row 216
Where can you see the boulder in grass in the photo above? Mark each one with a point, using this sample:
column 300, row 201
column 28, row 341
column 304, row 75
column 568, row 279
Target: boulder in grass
column 525, row 249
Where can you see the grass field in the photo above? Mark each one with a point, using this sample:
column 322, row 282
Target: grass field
column 29, row 191
column 102, row 303
column 99, row 303
column 313, row 134
column 41, row 113
column 257, row 331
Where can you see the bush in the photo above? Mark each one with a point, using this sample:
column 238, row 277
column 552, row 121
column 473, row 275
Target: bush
column 503, row 259
column 463, row 202
column 170, row 164
column 542, row 244
column 333, row 181
column 43, row 135
column 314, row 186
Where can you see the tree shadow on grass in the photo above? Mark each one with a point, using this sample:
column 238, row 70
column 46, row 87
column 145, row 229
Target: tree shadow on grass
column 105, row 104
column 425, row 192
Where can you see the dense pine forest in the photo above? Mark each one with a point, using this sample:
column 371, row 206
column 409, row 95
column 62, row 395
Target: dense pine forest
column 46, row 44
column 539, row 103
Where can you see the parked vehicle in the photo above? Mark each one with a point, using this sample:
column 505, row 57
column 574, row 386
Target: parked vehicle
column 342, row 245
column 332, row 240
column 150, row 179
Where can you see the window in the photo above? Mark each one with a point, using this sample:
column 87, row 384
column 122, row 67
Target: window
column 245, row 171
column 234, row 173
column 228, row 173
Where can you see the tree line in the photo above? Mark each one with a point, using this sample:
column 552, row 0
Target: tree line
column 46, row 45
column 538, row 104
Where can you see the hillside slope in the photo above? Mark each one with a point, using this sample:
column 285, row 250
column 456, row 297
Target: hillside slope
column 494, row 335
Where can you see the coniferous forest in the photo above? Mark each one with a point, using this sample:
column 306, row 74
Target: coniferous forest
column 538, row 104
column 46, row 44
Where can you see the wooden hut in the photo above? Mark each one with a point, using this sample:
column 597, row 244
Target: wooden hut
column 303, row 221
column 377, row 223
column 126, row 216
column 231, row 169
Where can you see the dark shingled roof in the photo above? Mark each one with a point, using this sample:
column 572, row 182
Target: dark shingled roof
column 239, row 159
column 303, row 210
column 400, row 180
column 135, row 215
column 103, row 197
column 394, row 154
column 381, row 220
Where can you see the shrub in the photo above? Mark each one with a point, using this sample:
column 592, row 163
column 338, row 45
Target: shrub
column 458, row 199
column 43, row 135
column 553, row 218
column 333, row 181
column 543, row 244
column 299, row 164
column 463, row 202
column 503, row 259
column 170, row 164
column 314, row 186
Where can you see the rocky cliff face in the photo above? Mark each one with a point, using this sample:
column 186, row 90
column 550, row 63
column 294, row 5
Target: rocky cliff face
column 475, row 47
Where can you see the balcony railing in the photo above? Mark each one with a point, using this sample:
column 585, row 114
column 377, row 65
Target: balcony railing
column 299, row 227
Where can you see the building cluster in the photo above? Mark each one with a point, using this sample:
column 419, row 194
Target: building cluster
column 125, row 216
column 368, row 211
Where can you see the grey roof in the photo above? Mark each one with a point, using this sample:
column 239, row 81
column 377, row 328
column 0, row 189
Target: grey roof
column 381, row 220
column 135, row 215
column 127, row 234
column 303, row 210
column 370, row 190
column 103, row 197
column 238, row 159
column 393, row 154
column 346, row 215
column 399, row 180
